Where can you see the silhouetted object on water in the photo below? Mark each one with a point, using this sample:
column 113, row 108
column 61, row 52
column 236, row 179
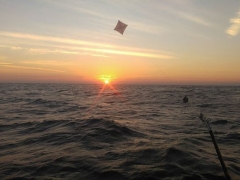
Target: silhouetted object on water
column 185, row 99
column 120, row 27
column 206, row 121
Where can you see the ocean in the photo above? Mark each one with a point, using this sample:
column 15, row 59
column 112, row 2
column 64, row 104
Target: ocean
column 117, row 132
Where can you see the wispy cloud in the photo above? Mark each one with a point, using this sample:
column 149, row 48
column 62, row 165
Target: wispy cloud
column 131, row 53
column 139, row 53
column 234, row 29
column 49, row 51
column 52, row 39
column 79, row 6
column 100, row 55
column 35, row 51
column 149, row 28
column 85, row 47
column 32, row 68
column 16, row 48
column 187, row 15
column 194, row 19
column 47, row 62
column 43, row 50
column 4, row 63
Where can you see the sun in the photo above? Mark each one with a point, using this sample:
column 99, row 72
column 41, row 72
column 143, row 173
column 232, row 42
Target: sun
column 105, row 78
column 106, row 81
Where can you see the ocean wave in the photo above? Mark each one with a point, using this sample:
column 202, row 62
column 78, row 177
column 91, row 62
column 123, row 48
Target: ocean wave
column 205, row 105
column 147, row 134
column 234, row 136
column 48, row 103
column 101, row 130
column 219, row 122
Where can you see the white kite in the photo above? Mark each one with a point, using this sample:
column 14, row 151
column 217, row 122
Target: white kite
column 120, row 27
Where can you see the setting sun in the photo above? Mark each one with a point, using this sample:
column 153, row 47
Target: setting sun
column 106, row 81
column 105, row 78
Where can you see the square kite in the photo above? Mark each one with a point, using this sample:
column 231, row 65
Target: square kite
column 120, row 27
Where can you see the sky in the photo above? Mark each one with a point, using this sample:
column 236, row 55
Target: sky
column 188, row 42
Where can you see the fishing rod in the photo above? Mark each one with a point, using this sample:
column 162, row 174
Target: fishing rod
column 206, row 121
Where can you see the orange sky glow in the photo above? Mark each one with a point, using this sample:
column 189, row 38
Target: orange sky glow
column 162, row 44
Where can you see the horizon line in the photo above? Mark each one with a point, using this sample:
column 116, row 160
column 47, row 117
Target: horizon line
column 145, row 84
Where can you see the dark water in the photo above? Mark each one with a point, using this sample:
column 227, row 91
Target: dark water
column 70, row 132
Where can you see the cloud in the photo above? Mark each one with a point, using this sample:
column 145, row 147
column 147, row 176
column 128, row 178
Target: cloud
column 33, row 68
column 234, row 29
column 47, row 62
column 132, row 53
column 80, row 6
column 4, row 63
column 16, row 48
column 85, row 47
column 149, row 28
column 194, row 19
column 49, row 51
column 99, row 55
column 185, row 14
column 43, row 50
column 124, row 51
column 52, row 39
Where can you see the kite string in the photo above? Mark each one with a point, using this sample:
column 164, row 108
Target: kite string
column 158, row 68
column 164, row 74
